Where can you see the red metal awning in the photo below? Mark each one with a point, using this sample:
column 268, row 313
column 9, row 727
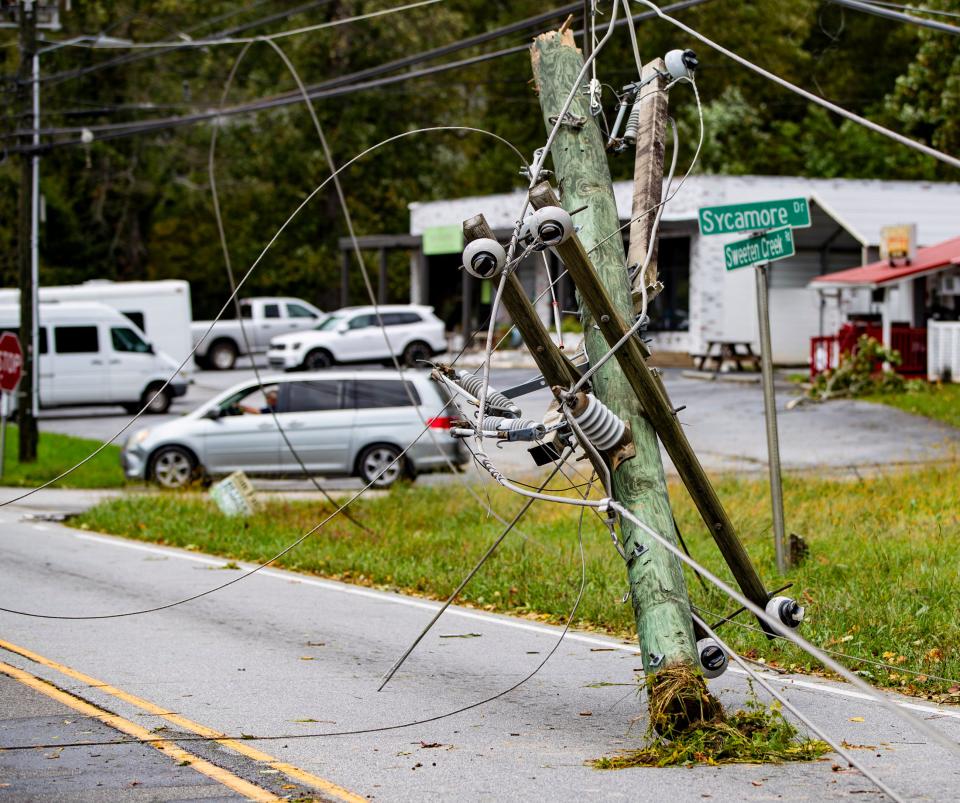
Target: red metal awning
column 877, row 274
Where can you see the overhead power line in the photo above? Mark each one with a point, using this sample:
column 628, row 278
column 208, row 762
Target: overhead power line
column 953, row 161
column 336, row 87
column 128, row 58
column 899, row 16
column 917, row 9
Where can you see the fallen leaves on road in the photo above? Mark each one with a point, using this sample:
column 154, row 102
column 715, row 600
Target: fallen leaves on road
column 857, row 719
column 461, row 635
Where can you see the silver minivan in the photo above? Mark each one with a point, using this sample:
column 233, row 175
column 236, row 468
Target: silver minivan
column 340, row 423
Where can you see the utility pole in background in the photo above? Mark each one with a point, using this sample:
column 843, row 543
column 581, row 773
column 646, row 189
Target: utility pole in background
column 27, row 102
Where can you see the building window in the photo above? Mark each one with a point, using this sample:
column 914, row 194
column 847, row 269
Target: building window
column 670, row 311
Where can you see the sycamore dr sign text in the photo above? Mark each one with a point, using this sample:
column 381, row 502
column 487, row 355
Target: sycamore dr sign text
column 793, row 212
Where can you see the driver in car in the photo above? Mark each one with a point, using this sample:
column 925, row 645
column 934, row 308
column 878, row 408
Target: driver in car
column 271, row 406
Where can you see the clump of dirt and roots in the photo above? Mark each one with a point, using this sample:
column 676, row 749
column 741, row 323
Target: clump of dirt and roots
column 689, row 726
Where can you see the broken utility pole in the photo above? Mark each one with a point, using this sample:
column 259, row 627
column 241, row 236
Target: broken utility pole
column 657, row 585
column 649, row 118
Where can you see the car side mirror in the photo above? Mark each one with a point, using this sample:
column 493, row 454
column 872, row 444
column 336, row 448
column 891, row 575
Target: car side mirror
column 213, row 413
column 150, row 349
column 343, row 328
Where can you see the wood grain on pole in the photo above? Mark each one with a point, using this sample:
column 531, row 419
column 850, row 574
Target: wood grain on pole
column 648, row 174
column 658, row 590
column 649, row 391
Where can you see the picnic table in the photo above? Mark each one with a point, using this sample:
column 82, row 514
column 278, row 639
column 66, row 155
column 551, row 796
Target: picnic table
column 720, row 352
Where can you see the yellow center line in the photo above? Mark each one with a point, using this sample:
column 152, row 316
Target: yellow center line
column 291, row 771
column 171, row 750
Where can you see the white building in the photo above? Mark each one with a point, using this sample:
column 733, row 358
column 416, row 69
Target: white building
column 702, row 300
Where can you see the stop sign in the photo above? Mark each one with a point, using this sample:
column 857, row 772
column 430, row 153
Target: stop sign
column 11, row 362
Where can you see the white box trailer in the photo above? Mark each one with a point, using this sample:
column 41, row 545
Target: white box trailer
column 160, row 309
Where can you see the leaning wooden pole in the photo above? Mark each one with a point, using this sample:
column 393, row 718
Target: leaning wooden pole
column 658, row 589
column 651, row 118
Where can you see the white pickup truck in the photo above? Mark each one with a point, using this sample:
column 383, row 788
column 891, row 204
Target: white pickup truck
column 263, row 319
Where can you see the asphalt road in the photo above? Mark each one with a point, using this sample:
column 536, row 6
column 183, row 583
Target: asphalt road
column 283, row 655
column 723, row 420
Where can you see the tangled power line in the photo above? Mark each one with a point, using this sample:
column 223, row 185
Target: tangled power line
column 588, row 423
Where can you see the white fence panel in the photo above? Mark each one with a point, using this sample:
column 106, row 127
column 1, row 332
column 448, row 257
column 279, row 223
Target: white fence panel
column 943, row 350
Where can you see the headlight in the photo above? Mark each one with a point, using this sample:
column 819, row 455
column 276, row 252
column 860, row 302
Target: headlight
column 139, row 437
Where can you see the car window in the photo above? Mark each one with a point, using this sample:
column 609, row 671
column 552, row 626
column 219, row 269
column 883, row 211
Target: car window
column 370, row 393
column 271, row 310
column 312, row 396
column 409, row 317
column 42, row 332
column 250, row 401
column 125, row 339
column 328, row 323
column 76, row 339
column 246, row 309
column 362, row 321
column 299, row 311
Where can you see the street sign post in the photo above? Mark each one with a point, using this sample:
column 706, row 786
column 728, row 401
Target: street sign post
column 772, row 224
column 770, row 415
column 734, row 218
column 761, row 248
column 11, row 369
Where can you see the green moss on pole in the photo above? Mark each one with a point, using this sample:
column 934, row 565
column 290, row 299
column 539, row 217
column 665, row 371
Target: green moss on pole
column 657, row 586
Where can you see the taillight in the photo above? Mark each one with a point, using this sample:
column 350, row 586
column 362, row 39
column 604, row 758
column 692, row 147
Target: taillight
column 440, row 422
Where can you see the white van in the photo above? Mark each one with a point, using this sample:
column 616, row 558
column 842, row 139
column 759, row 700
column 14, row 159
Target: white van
column 160, row 309
column 90, row 354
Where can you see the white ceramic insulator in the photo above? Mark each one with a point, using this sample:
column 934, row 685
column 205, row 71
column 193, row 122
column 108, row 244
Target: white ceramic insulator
column 492, row 423
column 785, row 610
column 495, row 399
column 484, row 258
column 600, row 425
column 713, row 660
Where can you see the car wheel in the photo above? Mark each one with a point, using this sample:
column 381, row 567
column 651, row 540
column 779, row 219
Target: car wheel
column 317, row 360
column 378, row 465
column 416, row 353
column 156, row 402
column 173, row 467
column 222, row 355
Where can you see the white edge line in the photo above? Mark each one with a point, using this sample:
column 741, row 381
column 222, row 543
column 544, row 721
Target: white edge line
column 498, row 619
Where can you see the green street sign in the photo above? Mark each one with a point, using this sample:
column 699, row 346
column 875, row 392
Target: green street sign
column 767, row 247
column 794, row 212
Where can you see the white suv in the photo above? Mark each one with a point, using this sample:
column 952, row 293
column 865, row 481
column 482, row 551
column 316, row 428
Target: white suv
column 353, row 335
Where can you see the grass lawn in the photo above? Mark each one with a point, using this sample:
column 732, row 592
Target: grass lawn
column 881, row 581
column 55, row 454
column 941, row 403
